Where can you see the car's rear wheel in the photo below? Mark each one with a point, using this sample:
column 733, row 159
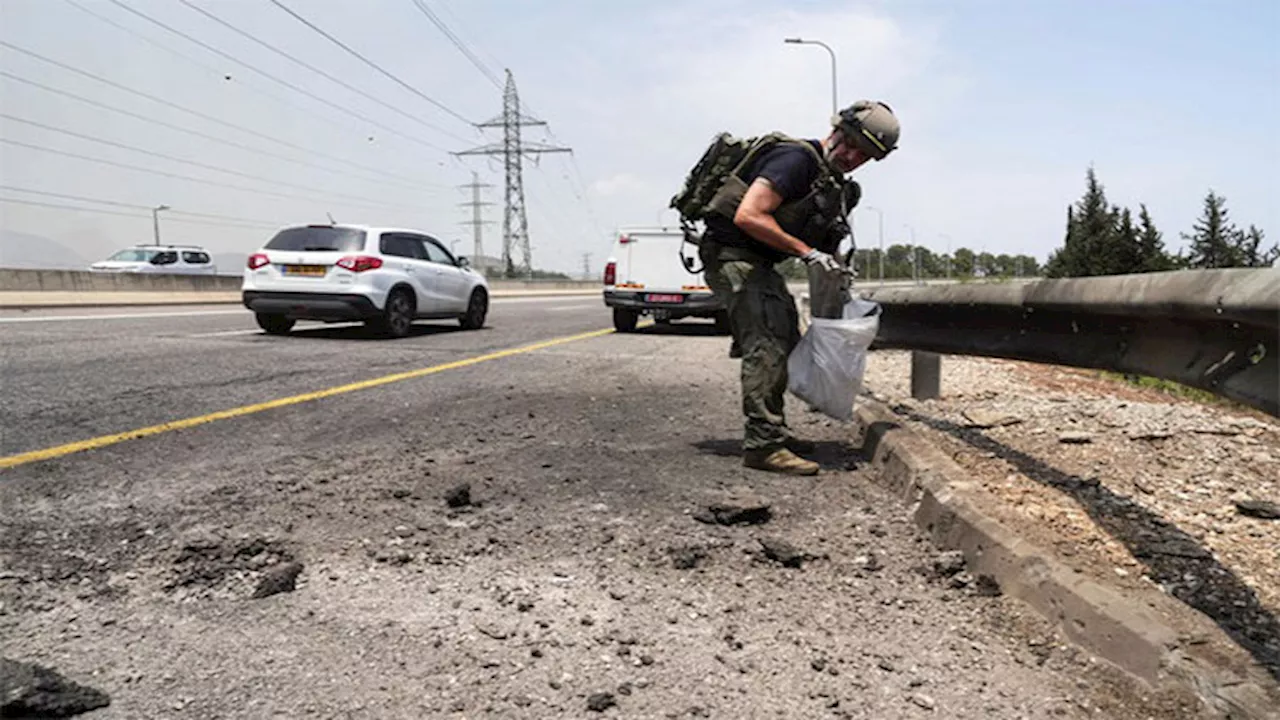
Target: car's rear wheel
column 477, row 309
column 625, row 320
column 274, row 324
column 397, row 315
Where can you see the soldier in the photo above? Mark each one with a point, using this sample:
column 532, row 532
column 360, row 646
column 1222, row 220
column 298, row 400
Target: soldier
column 788, row 204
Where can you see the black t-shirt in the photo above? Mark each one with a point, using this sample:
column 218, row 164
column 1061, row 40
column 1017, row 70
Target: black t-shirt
column 792, row 171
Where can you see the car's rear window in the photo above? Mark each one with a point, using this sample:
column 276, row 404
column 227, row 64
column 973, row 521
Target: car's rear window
column 332, row 239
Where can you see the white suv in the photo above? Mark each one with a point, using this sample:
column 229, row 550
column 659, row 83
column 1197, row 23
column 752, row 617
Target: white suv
column 387, row 277
column 159, row 259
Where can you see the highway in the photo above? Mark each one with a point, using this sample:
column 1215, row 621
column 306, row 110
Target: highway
column 579, row 576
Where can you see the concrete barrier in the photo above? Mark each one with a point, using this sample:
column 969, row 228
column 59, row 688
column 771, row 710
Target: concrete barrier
column 21, row 280
column 16, row 280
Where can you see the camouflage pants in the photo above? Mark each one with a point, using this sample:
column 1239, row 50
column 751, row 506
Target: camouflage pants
column 766, row 327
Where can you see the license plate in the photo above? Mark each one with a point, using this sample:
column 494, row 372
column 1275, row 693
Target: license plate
column 305, row 270
column 659, row 298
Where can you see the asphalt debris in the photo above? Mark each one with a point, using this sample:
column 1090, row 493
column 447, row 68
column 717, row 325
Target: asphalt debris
column 459, row 496
column 1261, row 509
column 31, row 690
column 599, row 702
column 782, row 552
column 280, row 579
column 737, row 510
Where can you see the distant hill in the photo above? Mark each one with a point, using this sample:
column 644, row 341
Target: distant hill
column 22, row 250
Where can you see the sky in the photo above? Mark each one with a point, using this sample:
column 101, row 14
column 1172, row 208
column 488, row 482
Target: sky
column 1004, row 106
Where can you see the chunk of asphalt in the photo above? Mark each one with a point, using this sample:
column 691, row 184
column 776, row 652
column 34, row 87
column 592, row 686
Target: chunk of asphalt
column 280, row 579
column 1261, row 509
column 782, row 552
column 736, row 510
column 458, row 496
column 600, row 702
column 31, row 690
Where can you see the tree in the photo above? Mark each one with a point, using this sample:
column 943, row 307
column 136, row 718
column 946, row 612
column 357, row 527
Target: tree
column 1214, row 240
column 985, row 265
column 1249, row 245
column 1091, row 230
column 1153, row 257
column 962, row 265
column 1125, row 253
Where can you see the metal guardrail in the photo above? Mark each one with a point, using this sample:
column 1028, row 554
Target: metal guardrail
column 1217, row 330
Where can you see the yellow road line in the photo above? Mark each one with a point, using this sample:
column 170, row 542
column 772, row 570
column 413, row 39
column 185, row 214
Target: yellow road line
column 105, row 440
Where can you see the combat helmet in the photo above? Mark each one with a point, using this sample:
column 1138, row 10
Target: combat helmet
column 871, row 126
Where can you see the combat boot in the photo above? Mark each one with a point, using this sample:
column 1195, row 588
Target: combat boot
column 779, row 460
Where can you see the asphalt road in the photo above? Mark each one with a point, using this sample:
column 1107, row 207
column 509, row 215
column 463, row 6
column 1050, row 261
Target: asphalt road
column 74, row 373
column 579, row 575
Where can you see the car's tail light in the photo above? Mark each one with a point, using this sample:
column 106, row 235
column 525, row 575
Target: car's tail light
column 257, row 260
column 611, row 273
column 360, row 263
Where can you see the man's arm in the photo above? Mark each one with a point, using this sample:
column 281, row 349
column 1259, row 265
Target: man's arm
column 755, row 218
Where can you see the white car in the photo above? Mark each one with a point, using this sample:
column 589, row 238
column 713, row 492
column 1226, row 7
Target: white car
column 386, row 277
column 159, row 259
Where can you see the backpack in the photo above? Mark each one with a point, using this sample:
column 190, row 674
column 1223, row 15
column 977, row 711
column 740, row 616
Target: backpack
column 727, row 156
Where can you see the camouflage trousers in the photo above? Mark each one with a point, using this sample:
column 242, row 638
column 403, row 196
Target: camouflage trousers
column 765, row 327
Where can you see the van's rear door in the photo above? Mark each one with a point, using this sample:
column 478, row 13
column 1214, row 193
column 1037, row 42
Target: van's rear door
column 653, row 261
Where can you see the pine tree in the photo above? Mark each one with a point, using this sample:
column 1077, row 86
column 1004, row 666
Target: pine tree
column 1151, row 250
column 1215, row 242
column 1249, row 247
column 1123, row 255
column 1089, row 245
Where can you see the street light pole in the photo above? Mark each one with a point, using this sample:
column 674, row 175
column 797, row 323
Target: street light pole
column 155, row 221
column 948, row 237
column 835, row 107
column 915, row 254
column 880, row 215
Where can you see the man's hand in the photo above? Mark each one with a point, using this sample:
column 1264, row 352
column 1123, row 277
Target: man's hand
column 822, row 260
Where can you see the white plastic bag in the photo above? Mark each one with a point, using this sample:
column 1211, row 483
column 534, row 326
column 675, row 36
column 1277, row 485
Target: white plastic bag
column 826, row 368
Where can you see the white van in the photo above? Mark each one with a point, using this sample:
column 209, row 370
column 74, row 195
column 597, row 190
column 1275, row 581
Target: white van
column 159, row 259
column 645, row 275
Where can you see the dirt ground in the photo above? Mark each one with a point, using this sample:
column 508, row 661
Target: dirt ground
column 1133, row 486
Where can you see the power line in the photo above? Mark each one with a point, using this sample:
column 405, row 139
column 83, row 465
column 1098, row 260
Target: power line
column 220, row 72
column 315, row 69
column 406, row 181
column 366, row 61
column 179, row 176
column 125, row 214
column 180, row 108
column 205, row 166
column 458, row 22
column 457, row 42
column 117, row 203
column 273, row 78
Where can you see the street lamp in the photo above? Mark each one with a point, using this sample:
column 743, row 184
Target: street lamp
column 880, row 214
column 948, row 237
column 799, row 41
column 915, row 255
column 155, row 220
